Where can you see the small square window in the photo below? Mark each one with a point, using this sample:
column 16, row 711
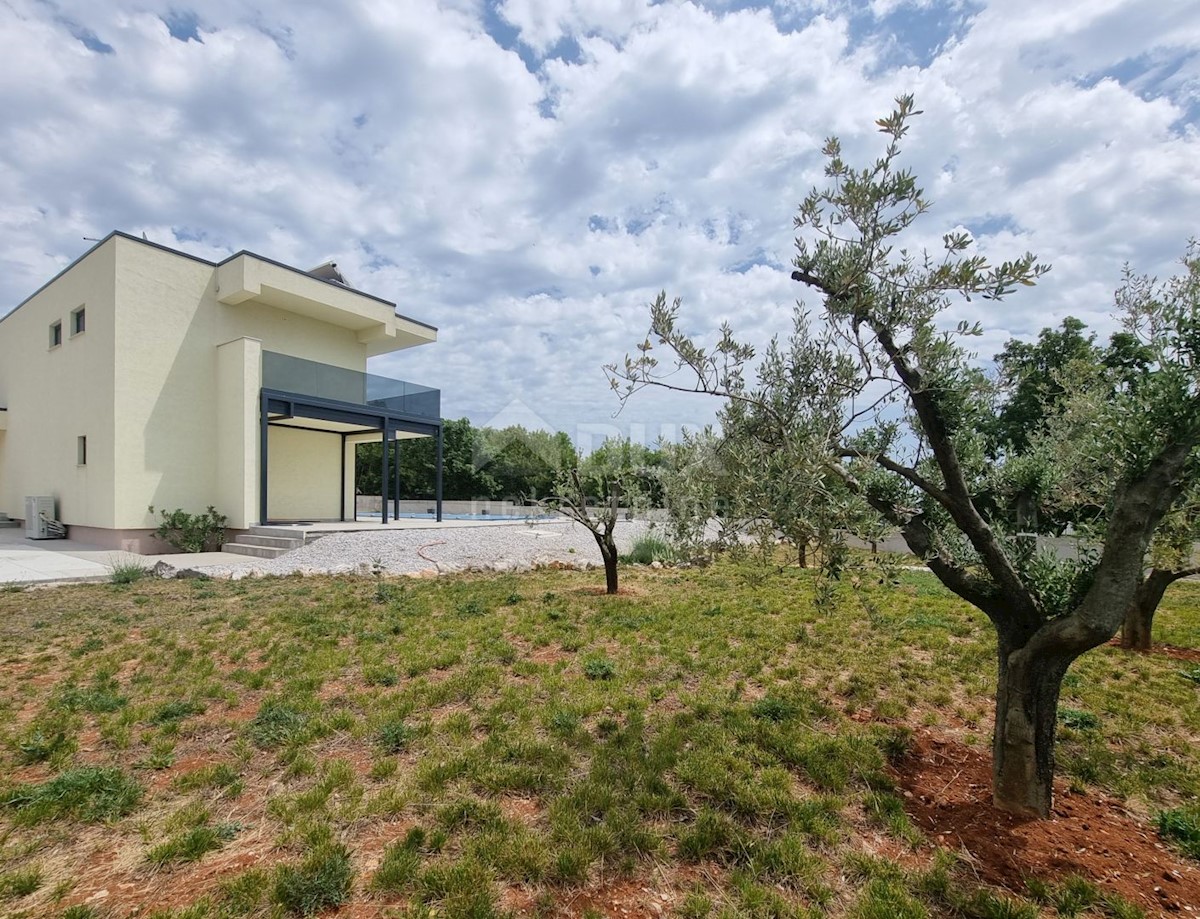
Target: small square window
column 55, row 334
column 77, row 321
column 81, row 450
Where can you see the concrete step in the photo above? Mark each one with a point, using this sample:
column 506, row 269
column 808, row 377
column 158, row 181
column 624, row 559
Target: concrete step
column 276, row 542
column 281, row 532
column 6, row 523
column 238, row 548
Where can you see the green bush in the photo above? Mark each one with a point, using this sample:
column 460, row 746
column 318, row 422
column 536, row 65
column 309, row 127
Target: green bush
column 192, row 532
column 650, row 548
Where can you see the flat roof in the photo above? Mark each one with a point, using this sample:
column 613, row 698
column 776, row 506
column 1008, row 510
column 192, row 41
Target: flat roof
column 204, row 261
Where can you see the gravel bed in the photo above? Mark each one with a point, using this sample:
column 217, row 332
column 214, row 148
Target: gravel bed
column 489, row 547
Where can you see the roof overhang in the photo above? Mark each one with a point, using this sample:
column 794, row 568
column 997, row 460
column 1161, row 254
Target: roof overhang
column 281, row 408
column 248, row 279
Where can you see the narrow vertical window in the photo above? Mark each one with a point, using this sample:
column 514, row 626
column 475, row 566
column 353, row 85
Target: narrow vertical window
column 78, row 323
column 81, row 450
column 55, row 334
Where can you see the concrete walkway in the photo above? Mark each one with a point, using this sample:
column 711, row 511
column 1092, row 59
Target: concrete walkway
column 56, row 561
column 51, row 561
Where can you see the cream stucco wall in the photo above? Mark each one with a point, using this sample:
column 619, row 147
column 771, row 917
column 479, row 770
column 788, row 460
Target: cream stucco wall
column 55, row 395
column 304, row 473
column 164, row 383
column 239, row 379
column 173, row 426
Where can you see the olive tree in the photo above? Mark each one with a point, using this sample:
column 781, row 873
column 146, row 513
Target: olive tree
column 898, row 412
column 763, row 475
column 1068, row 465
column 598, row 492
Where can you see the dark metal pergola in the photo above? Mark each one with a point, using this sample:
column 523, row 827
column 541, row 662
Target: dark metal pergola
column 367, row 419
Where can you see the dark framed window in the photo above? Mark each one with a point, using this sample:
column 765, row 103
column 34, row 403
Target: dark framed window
column 81, row 450
column 55, row 334
column 78, row 321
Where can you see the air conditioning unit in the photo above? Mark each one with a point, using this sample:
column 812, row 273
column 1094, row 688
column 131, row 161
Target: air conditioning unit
column 39, row 513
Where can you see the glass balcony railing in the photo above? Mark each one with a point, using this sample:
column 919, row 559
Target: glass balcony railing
column 324, row 381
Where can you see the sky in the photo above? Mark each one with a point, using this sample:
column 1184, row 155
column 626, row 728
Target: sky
column 526, row 175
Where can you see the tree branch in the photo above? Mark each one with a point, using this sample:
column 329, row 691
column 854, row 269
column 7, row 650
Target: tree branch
column 914, row 527
column 1024, row 608
column 906, row 472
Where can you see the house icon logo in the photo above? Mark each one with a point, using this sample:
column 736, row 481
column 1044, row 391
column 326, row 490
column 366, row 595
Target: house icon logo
column 518, row 436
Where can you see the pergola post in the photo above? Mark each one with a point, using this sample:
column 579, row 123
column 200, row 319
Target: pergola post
column 263, row 418
column 396, row 480
column 438, row 475
column 383, row 478
column 342, row 483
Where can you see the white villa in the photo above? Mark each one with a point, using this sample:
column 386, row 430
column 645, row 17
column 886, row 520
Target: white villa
column 141, row 375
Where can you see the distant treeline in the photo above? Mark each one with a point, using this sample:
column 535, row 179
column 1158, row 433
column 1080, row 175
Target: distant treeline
column 492, row 464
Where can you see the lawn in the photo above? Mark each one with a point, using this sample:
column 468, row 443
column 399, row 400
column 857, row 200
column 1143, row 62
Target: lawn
column 707, row 743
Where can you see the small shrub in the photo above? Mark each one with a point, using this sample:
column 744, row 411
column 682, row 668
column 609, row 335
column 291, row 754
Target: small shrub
column 89, row 793
column 126, row 573
column 192, row 532
column 650, row 548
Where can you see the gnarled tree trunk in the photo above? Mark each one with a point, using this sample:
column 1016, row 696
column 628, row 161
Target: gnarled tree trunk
column 1139, row 615
column 608, row 552
column 1023, row 742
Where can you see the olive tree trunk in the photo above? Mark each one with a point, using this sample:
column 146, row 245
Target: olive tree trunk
column 1027, row 692
column 1139, row 615
column 608, row 552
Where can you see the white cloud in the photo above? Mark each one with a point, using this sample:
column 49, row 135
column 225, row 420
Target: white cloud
column 528, row 175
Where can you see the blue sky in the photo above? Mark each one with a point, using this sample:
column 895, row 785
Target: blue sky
column 527, row 174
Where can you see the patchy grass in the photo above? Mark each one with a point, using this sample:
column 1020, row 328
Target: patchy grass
column 716, row 740
column 87, row 793
column 1181, row 825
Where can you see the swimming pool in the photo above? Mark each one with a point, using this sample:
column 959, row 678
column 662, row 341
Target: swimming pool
column 412, row 516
